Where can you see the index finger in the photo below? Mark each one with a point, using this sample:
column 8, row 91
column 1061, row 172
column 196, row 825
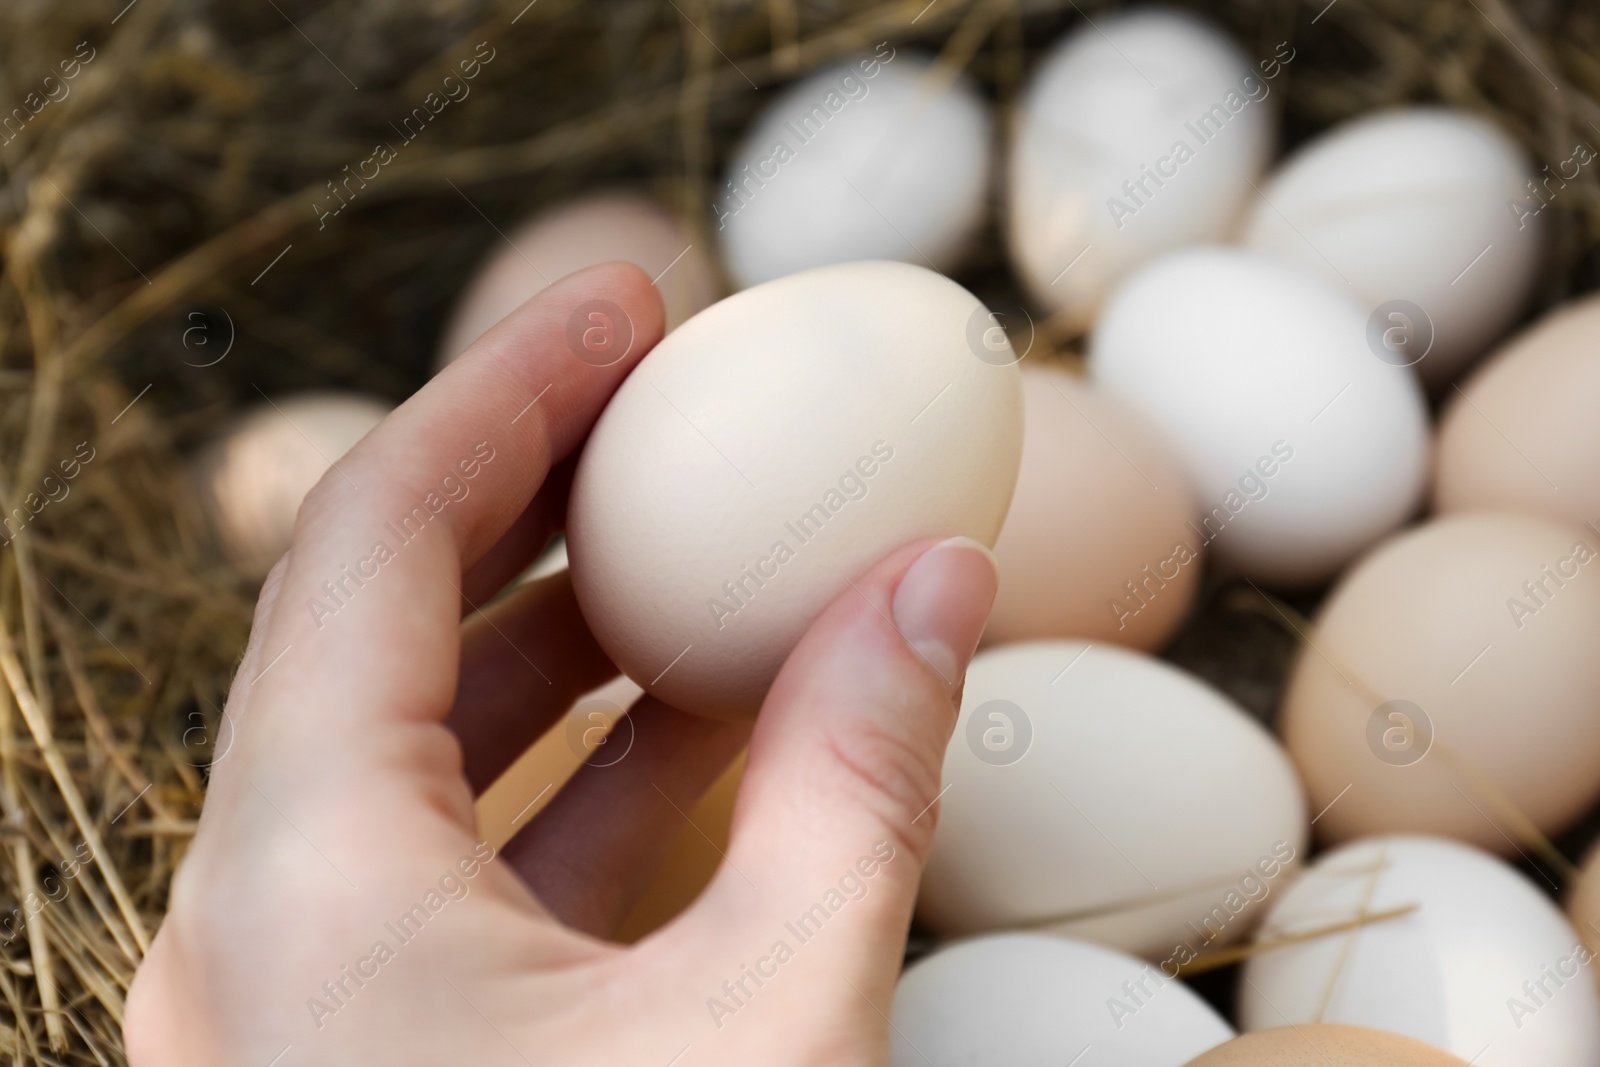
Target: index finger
column 367, row 619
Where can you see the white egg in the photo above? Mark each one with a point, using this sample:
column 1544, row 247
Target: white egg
column 771, row 449
column 1486, row 967
column 253, row 477
column 1406, row 209
column 1016, row 1000
column 885, row 156
column 1136, row 135
column 1302, row 445
column 570, row 236
column 1103, row 794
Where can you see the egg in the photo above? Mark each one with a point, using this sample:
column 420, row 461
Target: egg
column 1583, row 902
column 1451, row 673
column 1097, row 543
column 252, row 478
column 1521, row 434
column 1012, row 1000
column 590, row 230
column 1302, row 447
column 1137, row 134
column 1105, row 795
column 883, row 156
column 1485, row 967
column 1325, row 1045
column 1415, row 212
column 772, row 449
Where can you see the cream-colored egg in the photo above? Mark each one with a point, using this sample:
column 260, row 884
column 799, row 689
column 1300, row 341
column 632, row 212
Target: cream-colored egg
column 1012, row 1000
column 1522, row 433
column 252, row 479
column 1302, row 447
column 1485, row 967
column 883, row 156
column 1136, row 135
column 1325, row 1045
column 1097, row 543
column 1452, row 672
column 771, row 449
column 570, row 236
column 1413, row 205
column 1105, row 795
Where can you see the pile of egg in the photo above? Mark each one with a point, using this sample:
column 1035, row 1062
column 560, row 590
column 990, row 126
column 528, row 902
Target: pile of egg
column 1267, row 339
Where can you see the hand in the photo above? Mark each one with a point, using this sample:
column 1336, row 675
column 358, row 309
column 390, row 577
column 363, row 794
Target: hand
column 337, row 905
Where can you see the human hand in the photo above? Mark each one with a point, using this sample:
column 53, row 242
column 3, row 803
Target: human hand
column 337, row 905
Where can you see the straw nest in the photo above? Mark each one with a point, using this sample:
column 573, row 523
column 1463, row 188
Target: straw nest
column 159, row 208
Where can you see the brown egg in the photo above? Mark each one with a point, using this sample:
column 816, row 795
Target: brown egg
column 252, row 479
column 1096, row 544
column 1522, row 434
column 1451, row 684
column 1583, row 902
column 581, row 233
column 1324, row 1045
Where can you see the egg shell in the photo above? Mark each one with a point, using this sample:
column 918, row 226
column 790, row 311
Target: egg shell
column 1401, row 205
column 590, row 230
column 1112, row 99
column 1325, row 1045
column 1113, row 793
column 1507, row 695
column 1448, row 973
column 253, row 477
column 1583, row 903
column 1522, row 433
column 1090, row 546
column 1022, row 999
column 882, row 156
column 802, row 429
column 1302, row 447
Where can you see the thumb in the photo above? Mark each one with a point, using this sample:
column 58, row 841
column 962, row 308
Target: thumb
column 837, row 808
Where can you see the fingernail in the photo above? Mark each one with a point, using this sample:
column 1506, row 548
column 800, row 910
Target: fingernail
column 943, row 602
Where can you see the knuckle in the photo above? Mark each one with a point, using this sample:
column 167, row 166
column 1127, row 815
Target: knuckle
column 326, row 499
column 894, row 776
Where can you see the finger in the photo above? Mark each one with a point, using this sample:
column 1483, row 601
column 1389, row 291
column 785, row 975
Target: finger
column 369, row 617
column 524, row 662
column 266, row 600
column 520, row 545
column 836, row 814
column 590, row 855
column 235, row 710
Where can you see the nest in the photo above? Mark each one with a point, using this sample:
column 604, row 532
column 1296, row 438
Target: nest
column 169, row 256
